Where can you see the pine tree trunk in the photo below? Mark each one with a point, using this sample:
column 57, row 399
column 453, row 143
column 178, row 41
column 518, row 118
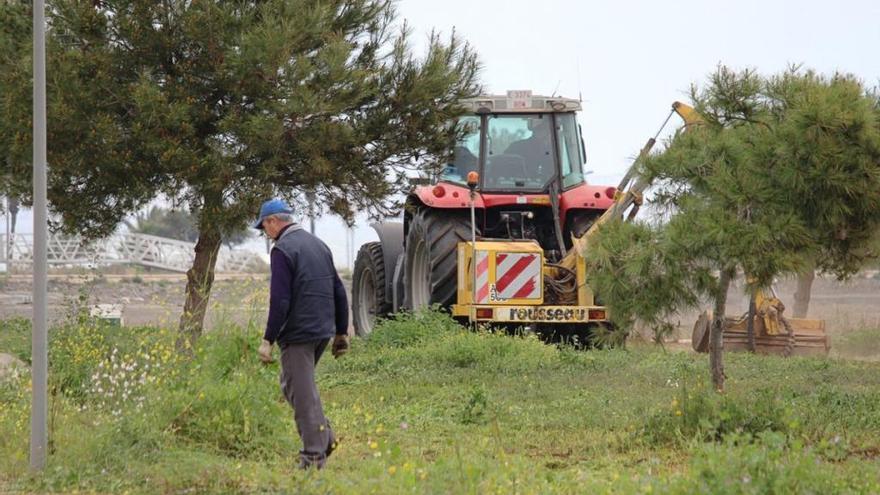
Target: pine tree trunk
column 750, row 324
column 199, row 280
column 802, row 294
column 716, row 340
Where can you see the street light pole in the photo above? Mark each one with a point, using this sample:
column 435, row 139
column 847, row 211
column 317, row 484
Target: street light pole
column 8, row 239
column 39, row 350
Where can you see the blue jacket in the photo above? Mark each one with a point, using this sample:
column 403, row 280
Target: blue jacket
column 307, row 300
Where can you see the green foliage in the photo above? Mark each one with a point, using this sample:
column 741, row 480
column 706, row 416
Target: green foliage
column 407, row 329
column 784, row 171
column 15, row 36
column 476, row 407
column 829, row 131
column 699, row 413
column 414, row 417
column 218, row 105
column 640, row 276
column 174, row 224
column 231, row 405
column 769, row 464
column 180, row 225
column 15, row 338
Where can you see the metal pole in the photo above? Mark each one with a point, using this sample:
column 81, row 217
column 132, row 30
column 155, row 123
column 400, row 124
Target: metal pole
column 39, row 351
column 348, row 247
column 8, row 242
column 473, row 312
column 311, row 199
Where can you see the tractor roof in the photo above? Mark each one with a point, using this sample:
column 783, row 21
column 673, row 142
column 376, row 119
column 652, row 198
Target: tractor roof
column 521, row 102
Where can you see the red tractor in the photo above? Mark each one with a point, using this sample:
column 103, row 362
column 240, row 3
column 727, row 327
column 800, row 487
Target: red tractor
column 530, row 201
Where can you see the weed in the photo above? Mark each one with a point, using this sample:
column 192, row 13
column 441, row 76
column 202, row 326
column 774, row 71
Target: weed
column 424, row 406
column 475, row 407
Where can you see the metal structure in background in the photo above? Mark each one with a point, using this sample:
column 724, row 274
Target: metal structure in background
column 6, row 246
column 138, row 249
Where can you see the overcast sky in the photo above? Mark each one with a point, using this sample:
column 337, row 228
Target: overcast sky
column 630, row 60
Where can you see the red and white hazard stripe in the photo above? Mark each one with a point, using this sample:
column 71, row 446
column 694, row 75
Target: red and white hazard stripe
column 518, row 275
column 482, row 277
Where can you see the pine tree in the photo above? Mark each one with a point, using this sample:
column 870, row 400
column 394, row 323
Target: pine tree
column 784, row 170
column 219, row 105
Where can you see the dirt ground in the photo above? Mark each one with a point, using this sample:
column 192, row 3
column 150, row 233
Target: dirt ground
column 846, row 307
column 157, row 299
column 145, row 299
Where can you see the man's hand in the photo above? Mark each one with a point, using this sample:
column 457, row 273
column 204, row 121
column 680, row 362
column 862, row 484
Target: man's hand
column 265, row 352
column 340, row 345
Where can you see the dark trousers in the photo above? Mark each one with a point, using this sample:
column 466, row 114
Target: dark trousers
column 298, row 363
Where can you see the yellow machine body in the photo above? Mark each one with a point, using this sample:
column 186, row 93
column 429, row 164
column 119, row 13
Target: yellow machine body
column 503, row 281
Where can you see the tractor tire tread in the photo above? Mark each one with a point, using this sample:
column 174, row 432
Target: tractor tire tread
column 370, row 258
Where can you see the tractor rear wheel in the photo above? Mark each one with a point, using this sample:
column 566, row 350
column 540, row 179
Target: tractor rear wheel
column 432, row 257
column 368, row 288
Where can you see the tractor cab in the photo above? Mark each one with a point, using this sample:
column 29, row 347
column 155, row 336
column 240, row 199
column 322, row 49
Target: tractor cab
column 518, row 143
column 528, row 153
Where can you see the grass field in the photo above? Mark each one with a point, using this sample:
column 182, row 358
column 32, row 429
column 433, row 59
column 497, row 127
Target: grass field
column 424, row 406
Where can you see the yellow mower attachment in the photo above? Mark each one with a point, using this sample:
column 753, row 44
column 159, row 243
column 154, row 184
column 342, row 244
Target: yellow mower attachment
column 773, row 333
column 504, row 281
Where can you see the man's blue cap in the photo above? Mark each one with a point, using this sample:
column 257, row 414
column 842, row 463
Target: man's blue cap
column 271, row 207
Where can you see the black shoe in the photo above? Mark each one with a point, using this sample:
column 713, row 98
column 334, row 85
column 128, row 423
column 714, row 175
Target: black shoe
column 308, row 460
column 331, row 442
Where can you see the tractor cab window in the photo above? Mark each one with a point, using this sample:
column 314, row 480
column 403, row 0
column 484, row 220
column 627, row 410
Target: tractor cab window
column 520, row 152
column 568, row 142
column 465, row 155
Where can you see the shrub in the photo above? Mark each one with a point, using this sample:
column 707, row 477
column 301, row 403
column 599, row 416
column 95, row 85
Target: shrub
column 697, row 412
column 765, row 464
column 15, row 338
column 409, row 329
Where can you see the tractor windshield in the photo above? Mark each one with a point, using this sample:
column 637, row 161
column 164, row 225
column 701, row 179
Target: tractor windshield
column 520, row 151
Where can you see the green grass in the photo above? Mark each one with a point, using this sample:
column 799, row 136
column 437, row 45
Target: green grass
column 424, row 406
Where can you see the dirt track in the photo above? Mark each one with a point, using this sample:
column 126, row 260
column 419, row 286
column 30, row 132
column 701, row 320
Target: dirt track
column 157, row 299
column 146, row 299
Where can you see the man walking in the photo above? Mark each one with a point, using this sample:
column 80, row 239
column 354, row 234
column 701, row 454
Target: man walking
column 307, row 307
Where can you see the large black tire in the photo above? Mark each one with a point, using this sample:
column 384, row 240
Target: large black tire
column 579, row 222
column 431, row 274
column 368, row 288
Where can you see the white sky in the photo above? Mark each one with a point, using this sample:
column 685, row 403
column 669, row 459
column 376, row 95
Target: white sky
column 631, row 59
